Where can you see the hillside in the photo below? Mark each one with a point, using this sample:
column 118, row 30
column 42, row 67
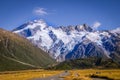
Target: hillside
column 86, row 63
column 17, row 53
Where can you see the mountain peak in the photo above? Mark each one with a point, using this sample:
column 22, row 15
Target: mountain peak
column 37, row 21
column 39, row 24
column 83, row 27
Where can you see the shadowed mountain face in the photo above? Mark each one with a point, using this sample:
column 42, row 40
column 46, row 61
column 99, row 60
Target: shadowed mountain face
column 64, row 43
column 17, row 53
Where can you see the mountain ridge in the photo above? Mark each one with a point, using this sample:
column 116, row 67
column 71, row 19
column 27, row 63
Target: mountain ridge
column 61, row 42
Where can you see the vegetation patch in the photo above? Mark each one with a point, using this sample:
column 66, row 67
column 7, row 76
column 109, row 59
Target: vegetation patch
column 87, row 63
column 101, row 77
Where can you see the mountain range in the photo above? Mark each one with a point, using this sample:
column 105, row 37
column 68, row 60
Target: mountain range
column 72, row 42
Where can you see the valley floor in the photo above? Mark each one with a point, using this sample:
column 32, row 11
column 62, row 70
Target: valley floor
column 85, row 74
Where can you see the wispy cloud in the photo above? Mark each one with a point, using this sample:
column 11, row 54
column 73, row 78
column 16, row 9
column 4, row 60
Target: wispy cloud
column 40, row 11
column 96, row 25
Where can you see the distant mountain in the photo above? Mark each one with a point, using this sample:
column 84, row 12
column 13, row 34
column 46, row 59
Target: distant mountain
column 72, row 42
column 17, row 53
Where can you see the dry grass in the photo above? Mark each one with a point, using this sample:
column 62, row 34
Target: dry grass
column 27, row 74
column 85, row 74
column 77, row 75
column 74, row 74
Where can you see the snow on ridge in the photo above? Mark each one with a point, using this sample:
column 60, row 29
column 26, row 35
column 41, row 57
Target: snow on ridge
column 105, row 34
column 68, row 37
column 61, row 35
column 94, row 37
column 32, row 25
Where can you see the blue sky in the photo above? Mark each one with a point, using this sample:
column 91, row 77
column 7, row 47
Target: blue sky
column 105, row 13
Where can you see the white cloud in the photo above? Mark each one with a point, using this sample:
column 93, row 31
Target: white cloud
column 40, row 11
column 96, row 25
column 116, row 30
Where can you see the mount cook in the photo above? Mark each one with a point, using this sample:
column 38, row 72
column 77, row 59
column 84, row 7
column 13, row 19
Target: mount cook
column 72, row 42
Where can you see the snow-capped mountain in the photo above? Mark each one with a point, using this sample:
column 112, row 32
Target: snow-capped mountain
column 71, row 42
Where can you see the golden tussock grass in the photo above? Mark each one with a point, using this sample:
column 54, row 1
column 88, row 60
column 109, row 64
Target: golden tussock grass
column 73, row 74
column 27, row 74
column 86, row 73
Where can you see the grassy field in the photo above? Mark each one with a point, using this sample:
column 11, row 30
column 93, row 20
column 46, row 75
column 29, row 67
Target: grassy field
column 73, row 74
column 113, row 74
column 26, row 74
